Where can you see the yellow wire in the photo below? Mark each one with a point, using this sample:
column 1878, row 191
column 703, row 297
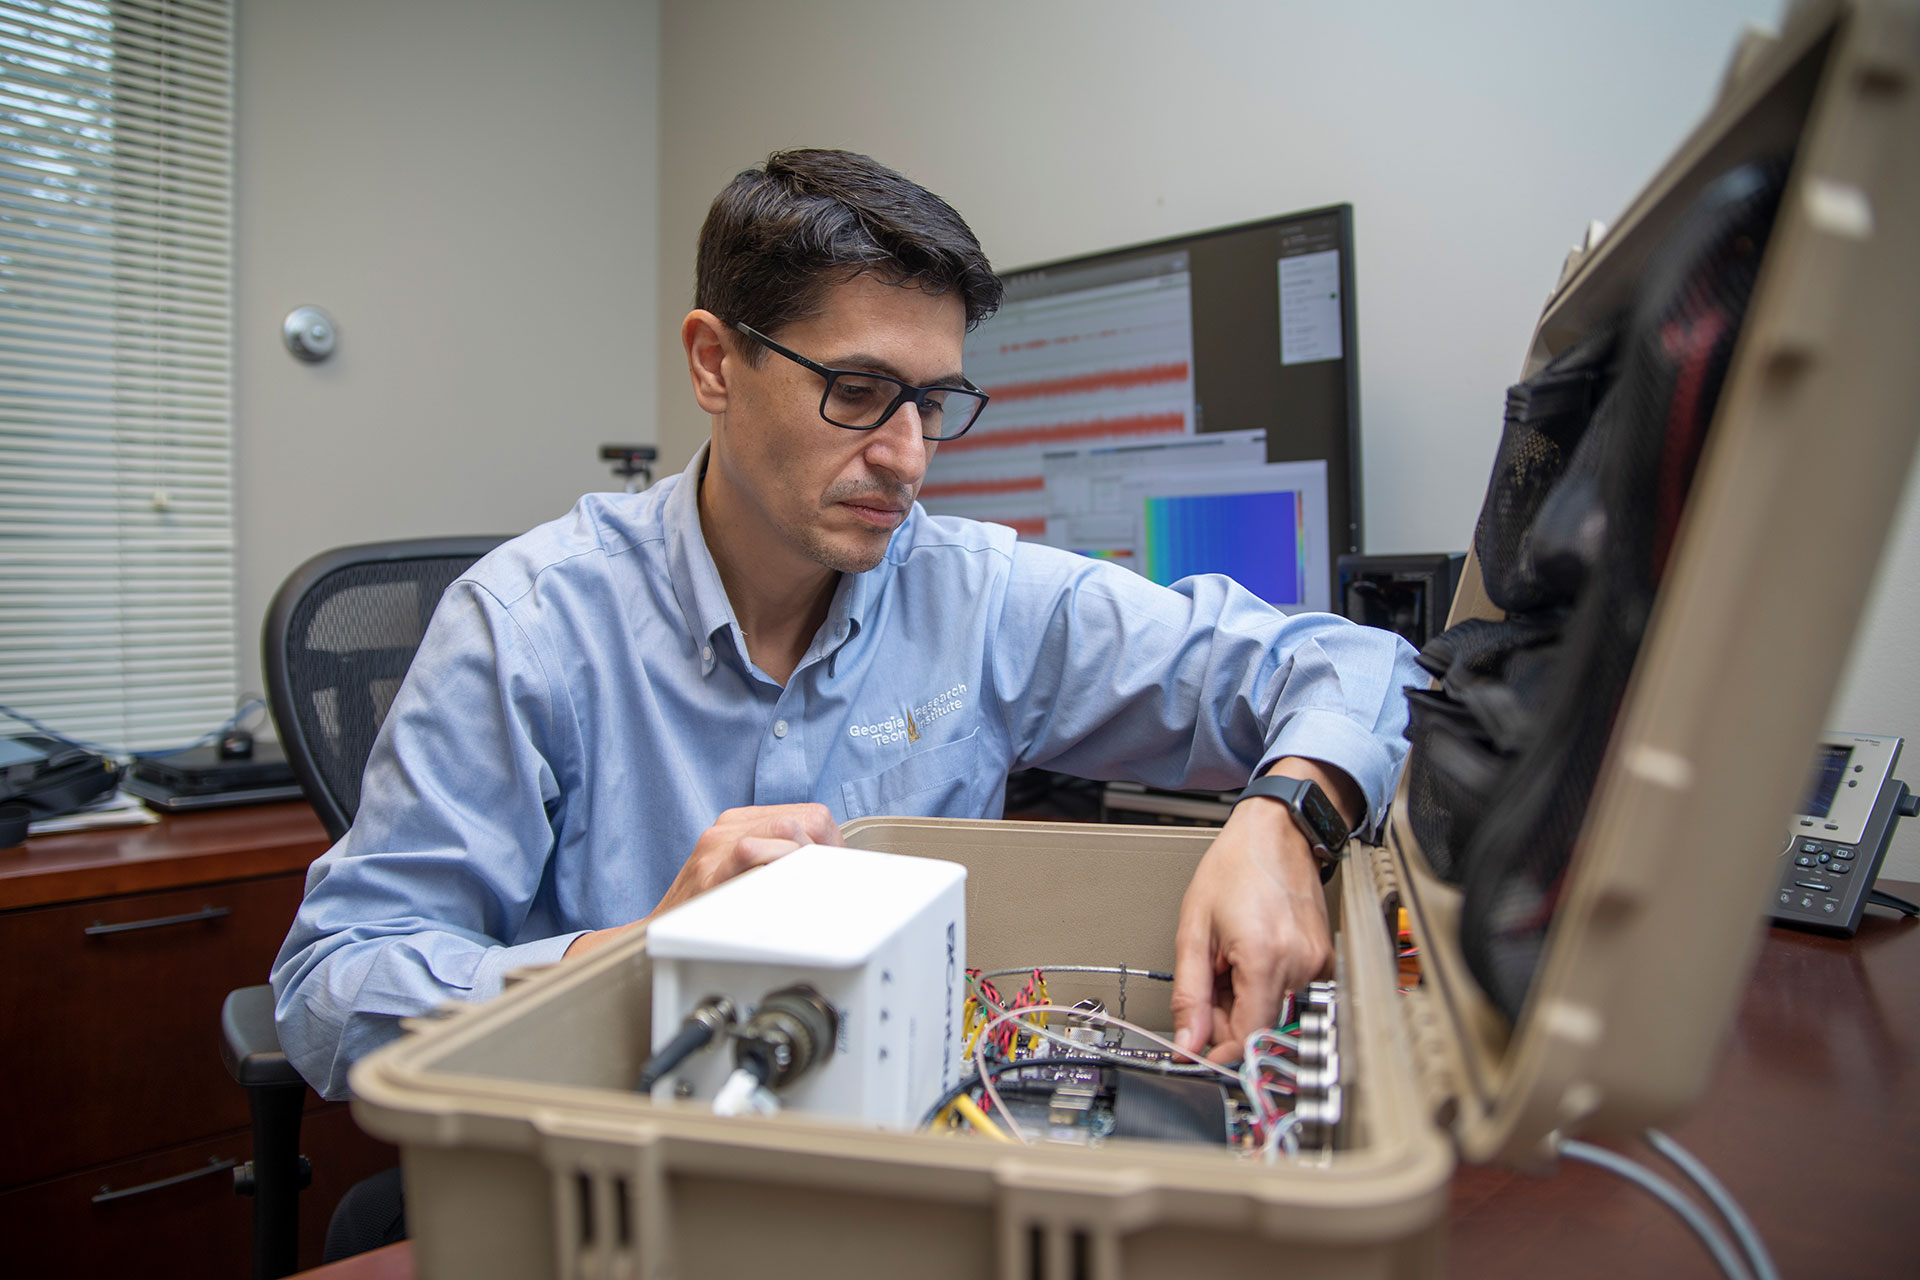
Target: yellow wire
column 978, row 1118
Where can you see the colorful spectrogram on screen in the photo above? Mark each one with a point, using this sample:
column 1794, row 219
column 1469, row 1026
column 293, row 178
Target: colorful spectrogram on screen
column 1258, row 539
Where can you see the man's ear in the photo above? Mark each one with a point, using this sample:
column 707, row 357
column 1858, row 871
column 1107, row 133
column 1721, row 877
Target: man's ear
column 703, row 334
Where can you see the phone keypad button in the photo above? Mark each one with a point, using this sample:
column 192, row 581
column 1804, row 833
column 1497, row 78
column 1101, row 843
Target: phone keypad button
column 1817, row 886
column 1839, row 869
column 1843, row 853
column 1805, row 861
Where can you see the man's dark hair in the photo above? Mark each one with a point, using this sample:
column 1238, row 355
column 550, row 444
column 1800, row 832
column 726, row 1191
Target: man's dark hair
column 778, row 238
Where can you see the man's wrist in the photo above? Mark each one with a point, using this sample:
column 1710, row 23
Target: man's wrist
column 1296, row 793
column 1340, row 788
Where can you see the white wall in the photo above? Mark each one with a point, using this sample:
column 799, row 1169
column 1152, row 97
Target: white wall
column 1474, row 141
column 469, row 188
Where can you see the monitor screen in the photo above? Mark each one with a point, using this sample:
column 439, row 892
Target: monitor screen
column 1179, row 407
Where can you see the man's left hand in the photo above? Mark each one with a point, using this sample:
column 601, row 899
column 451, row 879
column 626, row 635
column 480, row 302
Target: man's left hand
column 1253, row 924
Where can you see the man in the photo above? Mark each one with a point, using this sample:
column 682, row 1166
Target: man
column 633, row 703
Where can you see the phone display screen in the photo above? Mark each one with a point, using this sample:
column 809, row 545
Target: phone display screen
column 1828, row 768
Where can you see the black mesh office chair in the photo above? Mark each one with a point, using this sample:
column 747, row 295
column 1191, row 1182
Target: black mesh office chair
column 339, row 636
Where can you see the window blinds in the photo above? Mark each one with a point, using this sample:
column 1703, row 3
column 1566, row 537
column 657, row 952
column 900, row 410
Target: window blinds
column 116, row 525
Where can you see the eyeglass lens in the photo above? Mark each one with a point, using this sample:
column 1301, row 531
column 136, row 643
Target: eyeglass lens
column 855, row 400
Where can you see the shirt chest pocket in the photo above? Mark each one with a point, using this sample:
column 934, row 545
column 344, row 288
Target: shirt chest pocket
column 938, row 782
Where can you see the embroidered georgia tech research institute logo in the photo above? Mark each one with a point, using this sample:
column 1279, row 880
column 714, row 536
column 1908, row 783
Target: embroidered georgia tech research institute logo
column 912, row 722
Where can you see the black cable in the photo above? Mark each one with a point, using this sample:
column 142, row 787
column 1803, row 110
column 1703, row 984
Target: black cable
column 708, row 1019
column 247, row 708
column 691, row 1037
column 998, row 1069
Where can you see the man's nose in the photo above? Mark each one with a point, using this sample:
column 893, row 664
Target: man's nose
column 899, row 447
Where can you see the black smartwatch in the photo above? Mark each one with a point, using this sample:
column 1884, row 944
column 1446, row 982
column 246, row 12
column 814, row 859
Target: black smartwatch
column 1321, row 823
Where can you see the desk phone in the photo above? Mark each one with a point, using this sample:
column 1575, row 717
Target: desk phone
column 1836, row 842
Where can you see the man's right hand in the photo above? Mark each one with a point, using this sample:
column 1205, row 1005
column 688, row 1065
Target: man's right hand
column 741, row 840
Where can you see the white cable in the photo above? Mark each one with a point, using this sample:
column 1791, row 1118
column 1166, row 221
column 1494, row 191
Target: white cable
column 1711, row 1187
column 1283, row 1134
column 743, row 1094
column 1647, row 1180
column 1253, row 1061
column 1266, row 1035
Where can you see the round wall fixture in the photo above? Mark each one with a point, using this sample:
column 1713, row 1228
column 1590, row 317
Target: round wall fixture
column 309, row 334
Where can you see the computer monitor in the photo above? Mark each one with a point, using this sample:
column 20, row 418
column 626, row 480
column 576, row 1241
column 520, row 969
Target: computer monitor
column 1190, row 405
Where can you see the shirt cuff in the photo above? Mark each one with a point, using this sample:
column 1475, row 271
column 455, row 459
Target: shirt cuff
column 490, row 976
column 1333, row 739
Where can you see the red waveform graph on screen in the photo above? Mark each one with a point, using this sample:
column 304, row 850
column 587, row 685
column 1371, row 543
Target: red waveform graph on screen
column 1146, row 424
column 978, row 488
column 1098, row 380
column 1096, row 361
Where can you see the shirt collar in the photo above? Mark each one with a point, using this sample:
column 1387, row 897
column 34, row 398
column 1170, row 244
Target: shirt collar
column 703, row 599
column 690, row 567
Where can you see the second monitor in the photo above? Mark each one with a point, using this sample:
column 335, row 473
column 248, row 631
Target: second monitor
column 1185, row 406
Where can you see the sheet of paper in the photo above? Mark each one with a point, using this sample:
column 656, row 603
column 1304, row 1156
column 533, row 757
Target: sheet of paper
column 122, row 810
column 1310, row 307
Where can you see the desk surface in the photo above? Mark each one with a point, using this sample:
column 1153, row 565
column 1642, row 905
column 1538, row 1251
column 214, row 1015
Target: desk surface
column 178, row 851
column 1813, row 1122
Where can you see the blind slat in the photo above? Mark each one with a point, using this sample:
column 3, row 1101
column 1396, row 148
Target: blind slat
column 116, row 534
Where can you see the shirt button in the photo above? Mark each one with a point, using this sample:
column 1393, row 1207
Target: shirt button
column 706, row 653
column 779, row 728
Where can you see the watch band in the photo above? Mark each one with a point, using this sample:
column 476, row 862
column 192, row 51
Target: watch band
column 1318, row 820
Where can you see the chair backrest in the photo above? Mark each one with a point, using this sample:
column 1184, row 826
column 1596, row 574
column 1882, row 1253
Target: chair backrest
column 338, row 639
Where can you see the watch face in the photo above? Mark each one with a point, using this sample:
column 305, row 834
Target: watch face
column 1318, row 810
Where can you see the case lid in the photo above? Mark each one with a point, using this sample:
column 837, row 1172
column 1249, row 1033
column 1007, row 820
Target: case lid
column 1662, row 906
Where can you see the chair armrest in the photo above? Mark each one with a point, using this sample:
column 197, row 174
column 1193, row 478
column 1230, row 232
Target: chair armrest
column 249, row 1044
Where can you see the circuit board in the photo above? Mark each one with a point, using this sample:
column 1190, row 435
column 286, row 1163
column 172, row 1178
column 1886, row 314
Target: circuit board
column 1082, row 1075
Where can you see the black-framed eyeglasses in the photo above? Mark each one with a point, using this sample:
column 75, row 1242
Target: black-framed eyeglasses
column 860, row 401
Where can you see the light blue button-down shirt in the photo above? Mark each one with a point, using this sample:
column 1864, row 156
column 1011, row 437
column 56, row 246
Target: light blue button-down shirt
column 582, row 708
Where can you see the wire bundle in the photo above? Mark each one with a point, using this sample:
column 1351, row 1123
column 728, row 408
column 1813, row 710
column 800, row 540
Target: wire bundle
column 1268, row 1067
column 989, row 1021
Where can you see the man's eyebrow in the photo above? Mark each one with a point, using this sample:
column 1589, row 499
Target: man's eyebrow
column 876, row 364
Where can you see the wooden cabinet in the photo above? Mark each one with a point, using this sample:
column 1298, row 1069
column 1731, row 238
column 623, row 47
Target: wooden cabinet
column 122, row 1126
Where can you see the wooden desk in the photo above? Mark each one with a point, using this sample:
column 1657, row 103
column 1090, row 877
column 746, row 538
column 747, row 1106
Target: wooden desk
column 1813, row 1122
column 117, row 948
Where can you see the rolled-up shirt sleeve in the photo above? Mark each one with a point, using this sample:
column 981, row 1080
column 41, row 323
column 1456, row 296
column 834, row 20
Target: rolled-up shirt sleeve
column 1103, row 674
column 417, row 904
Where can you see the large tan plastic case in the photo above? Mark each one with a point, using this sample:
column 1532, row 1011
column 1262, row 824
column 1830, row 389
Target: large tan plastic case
column 527, row 1155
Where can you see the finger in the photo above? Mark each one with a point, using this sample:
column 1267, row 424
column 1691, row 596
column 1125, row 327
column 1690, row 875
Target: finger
column 1230, row 1049
column 1192, row 985
column 807, row 824
column 1256, row 996
column 783, row 824
column 758, row 851
column 821, row 828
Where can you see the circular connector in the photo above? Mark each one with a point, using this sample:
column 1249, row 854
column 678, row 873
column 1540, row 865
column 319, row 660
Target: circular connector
column 793, row 1030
